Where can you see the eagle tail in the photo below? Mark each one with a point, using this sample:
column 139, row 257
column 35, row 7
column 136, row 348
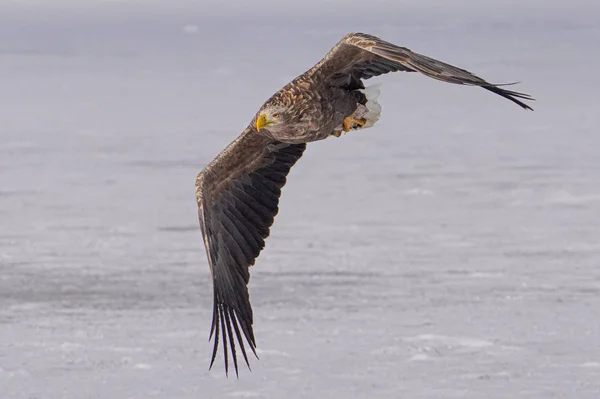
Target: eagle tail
column 371, row 110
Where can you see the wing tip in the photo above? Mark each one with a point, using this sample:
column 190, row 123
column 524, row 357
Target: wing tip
column 513, row 96
column 225, row 319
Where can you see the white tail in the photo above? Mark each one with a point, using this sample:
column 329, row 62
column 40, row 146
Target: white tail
column 372, row 110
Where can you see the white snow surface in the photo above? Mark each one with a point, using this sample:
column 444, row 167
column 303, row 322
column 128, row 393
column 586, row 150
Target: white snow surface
column 452, row 251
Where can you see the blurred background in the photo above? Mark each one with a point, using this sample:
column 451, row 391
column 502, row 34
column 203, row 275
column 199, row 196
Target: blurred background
column 451, row 251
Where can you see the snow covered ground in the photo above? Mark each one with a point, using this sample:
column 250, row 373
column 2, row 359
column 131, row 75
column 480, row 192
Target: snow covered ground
column 453, row 251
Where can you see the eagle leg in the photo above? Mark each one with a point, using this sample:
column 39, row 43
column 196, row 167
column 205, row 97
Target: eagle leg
column 348, row 124
column 351, row 122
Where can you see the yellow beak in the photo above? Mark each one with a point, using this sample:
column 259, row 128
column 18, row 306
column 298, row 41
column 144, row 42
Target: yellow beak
column 261, row 121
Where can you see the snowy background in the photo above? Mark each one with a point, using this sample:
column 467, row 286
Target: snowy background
column 453, row 251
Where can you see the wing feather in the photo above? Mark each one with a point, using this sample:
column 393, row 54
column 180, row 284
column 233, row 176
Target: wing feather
column 238, row 197
column 364, row 56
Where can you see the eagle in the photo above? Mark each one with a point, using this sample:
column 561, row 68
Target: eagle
column 238, row 192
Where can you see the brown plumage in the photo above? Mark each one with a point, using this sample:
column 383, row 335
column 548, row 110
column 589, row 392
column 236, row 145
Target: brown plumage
column 238, row 192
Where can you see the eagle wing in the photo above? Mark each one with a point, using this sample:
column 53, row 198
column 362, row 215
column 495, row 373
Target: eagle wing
column 360, row 56
column 238, row 196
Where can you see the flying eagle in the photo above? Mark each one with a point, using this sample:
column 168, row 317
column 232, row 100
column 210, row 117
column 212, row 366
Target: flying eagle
column 238, row 192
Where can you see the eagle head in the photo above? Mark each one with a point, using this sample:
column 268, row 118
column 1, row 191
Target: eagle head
column 273, row 117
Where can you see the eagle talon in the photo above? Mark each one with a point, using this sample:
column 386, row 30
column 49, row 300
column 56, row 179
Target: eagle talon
column 360, row 122
column 351, row 123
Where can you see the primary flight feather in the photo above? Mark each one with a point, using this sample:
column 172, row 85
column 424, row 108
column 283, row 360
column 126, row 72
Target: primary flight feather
column 238, row 192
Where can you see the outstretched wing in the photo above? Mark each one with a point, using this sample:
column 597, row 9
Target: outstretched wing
column 238, row 196
column 360, row 56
